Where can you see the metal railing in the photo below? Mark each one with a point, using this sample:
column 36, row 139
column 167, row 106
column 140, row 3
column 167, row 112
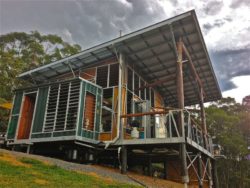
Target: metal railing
column 165, row 124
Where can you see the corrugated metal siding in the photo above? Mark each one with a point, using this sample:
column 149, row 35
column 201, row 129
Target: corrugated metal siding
column 15, row 115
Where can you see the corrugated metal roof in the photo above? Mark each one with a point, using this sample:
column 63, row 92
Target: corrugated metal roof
column 151, row 50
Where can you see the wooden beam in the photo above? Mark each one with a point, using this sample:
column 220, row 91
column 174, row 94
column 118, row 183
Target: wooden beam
column 193, row 70
column 179, row 76
column 203, row 116
column 180, row 101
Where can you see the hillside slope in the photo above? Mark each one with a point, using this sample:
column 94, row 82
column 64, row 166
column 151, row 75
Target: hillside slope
column 25, row 170
column 22, row 170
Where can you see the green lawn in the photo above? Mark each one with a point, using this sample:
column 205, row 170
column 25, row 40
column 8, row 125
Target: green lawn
column 26, row 172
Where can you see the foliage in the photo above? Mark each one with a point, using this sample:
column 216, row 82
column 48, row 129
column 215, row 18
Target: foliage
column 24, row 51
column 228, row 123
column 21, row 51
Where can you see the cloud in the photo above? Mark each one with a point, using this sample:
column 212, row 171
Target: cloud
column 225, row 24
column 229, row 64
column 216, row 23
column 89, row 22
column 213, row 7
column 238, row 3
column 241, row 90
column 67, row 35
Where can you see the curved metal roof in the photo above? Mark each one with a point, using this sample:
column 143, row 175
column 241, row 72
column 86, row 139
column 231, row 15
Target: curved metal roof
column 152, row 51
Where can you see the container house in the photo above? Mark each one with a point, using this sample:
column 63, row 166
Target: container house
column 130, row 98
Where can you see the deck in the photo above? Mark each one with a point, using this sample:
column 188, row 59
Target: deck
column 165, row 131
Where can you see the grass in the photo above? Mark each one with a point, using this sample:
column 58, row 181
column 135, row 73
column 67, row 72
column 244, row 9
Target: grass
column 27, row 172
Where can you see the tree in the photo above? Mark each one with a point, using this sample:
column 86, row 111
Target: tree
column 227, row 122
column 21, row 51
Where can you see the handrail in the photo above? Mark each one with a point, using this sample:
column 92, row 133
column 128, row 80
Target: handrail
column 144, row 114
column 192, row 128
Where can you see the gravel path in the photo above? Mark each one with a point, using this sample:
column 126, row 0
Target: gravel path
column 100, row 171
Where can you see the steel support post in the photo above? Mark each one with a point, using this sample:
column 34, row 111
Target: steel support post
column 165, row 169
column 214, row 174
column 150, row 169
column 203, row 118
column 210, row 178
column 200, row 180
column 28, row 149
column 180, row 97
column 124, row 160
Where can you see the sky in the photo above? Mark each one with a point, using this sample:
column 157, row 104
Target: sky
column 225, row 26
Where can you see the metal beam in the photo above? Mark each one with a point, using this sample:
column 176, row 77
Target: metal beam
column 138, row 58
column 200, row 180
column 124, row 160
column 156, row 83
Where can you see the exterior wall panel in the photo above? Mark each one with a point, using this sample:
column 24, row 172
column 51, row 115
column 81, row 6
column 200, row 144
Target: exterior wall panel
column 40, row 110
column 15, row 115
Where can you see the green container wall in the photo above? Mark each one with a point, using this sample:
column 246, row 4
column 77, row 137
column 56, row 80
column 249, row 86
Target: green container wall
column 15, row 115
column 87, row 87
column 82, row 105
column 98, row 109
column 41, row 135
column 40, row 110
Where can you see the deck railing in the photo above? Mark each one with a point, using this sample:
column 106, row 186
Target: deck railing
column 165, row 124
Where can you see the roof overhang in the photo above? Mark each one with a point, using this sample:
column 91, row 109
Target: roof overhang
column 152, row 51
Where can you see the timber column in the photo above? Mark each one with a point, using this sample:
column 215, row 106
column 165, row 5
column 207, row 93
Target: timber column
column 124, row 153
column 180, row 98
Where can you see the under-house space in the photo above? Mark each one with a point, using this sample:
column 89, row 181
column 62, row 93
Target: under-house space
column 129, row 101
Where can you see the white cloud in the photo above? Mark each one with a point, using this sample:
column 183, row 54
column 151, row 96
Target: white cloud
column 242, row 90
column 67, row 35
column 232, row 34
column 126, row 3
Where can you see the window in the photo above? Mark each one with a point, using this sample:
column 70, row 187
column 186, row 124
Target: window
column 142, row 84
column 113, row 75
column 130, row 79
column 102, row 75
column 136, row 84
column 152, row 98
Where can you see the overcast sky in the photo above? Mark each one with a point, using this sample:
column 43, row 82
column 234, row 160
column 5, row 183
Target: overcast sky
column 224, row 24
